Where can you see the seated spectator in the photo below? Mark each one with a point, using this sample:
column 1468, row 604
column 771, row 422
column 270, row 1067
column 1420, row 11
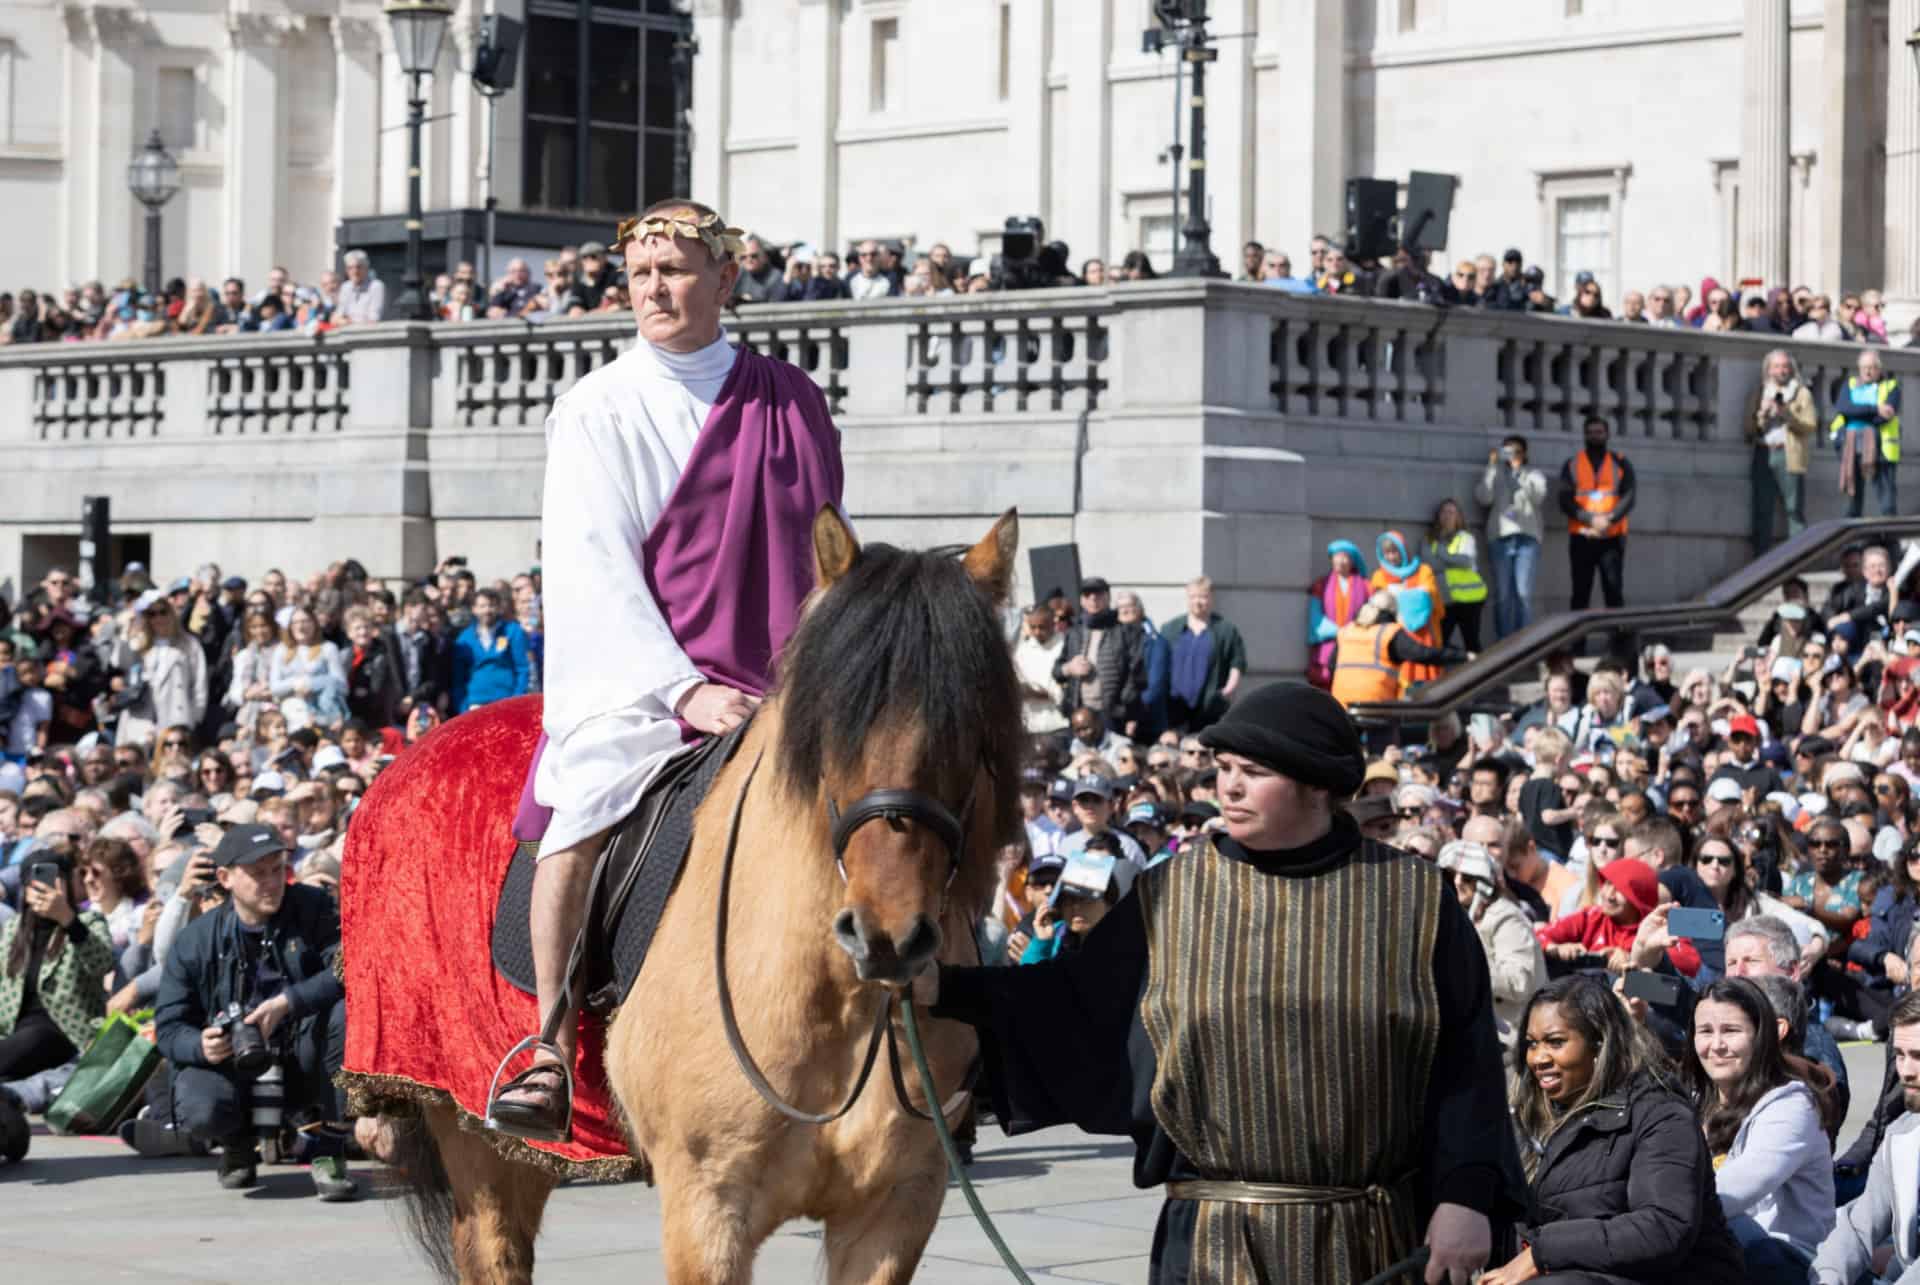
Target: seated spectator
column 1765, row 1115
column 1832, row 714
column 514, row 294
column 1820, row 323
column 1721, row 866
column 1629, row 893
column 116, row 886
column 1093, row 811
column 1620, row 1180
column 1516, row 967
column 1882, row 1215
column 270, row 950
column 55, row 961
column 1587, row 302
column 234, row 316
column 308, row 677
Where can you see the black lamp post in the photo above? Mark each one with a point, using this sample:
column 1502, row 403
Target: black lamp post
column 1183, row 26
column 418, row 28
column 154, row 176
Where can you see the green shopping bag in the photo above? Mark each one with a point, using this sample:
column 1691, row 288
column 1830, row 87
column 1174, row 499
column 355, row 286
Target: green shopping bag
column 107, row 1080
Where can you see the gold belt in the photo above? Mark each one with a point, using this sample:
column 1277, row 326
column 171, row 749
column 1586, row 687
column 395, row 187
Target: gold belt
column 1272, row 1193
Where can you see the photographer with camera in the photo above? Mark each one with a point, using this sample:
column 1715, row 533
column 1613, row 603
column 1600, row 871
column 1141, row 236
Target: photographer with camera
column 1780, row 423
column 249, row 991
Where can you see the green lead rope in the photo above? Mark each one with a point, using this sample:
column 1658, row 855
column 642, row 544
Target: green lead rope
column 947, row 1144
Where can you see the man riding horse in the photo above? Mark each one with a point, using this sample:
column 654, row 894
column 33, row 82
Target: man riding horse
column 682, row 483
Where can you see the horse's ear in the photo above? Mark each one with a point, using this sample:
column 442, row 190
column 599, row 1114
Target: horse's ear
column 990, row 562
column 834, row 548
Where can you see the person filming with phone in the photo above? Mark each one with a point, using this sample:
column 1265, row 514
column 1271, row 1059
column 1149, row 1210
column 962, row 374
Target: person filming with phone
column 250, row 988
column 54, row 962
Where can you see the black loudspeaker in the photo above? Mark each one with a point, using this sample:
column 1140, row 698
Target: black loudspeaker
column 1371, row 205
column 496, row 58
column 1423, row 224
column 96, row 545
column 1056, row 569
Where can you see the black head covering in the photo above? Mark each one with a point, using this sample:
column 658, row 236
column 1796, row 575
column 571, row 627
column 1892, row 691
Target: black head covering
column 1297, row 730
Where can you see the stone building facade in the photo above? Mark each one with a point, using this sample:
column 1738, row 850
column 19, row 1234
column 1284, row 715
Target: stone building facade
column 1643, row 141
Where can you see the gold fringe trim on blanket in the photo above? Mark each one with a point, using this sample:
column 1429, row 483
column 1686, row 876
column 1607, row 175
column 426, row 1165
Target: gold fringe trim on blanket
column 370, row 1093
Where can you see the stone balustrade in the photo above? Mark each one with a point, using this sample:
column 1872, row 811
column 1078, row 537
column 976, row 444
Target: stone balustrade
column 1168, row 427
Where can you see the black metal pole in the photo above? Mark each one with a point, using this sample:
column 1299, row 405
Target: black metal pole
column 413, row 301
column 151, row 271
column 1196, row 257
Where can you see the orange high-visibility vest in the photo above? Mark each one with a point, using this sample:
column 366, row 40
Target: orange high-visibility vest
column 1596, row 497
column 1363, row 670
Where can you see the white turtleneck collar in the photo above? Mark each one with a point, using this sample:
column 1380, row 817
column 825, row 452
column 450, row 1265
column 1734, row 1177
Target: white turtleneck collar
column 703, row 365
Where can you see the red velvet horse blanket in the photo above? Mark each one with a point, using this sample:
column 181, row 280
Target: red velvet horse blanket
column 428, row 1017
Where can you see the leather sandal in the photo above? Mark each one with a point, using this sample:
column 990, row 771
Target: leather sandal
column 545, row 1114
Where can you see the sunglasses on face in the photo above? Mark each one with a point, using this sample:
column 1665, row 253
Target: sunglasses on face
column 1603, row 841
column 1827, row 845
column 1679, row 803
column 1715, row 859
column 174, row 743
column 1884, row 791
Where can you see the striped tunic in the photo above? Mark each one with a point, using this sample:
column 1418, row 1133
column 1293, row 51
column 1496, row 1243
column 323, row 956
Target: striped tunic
column 1294, row 1021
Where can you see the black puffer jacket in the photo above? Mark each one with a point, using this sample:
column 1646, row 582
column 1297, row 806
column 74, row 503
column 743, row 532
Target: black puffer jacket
column 1624, row 1193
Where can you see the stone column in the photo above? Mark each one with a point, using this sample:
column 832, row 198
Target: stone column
column 356, row 118
column 712, row 100
column 1085, row 212
column 1765, row 192
column 1903, row 167
column 1029, row 122
column 255, row 143
column 816, row 115
column 1845, row 255
column 1301, row 162
column 108, row 225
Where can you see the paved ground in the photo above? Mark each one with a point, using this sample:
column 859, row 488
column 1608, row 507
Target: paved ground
column 85, row 1210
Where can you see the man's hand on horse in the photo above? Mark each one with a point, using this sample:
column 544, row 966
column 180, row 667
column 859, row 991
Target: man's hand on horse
column 716, row 709
column 1460, row 1239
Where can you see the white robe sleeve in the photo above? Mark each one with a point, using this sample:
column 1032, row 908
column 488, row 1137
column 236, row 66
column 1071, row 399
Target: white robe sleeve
column 608, row 647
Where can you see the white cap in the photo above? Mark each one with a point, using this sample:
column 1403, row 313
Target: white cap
column 1414, row 795
column 1786, row 669
column 801, row 252
column 328, row 756
column 1470, row 859
column 1887, row 845
column 147, row 599
column 1813, row 804
column 1788, row 805
column 1724, row 789
column 269, row 783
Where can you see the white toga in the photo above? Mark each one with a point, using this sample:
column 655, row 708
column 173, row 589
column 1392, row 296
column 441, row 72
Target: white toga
column 617, row 443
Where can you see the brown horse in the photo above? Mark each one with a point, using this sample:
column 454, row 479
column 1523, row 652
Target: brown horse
column 899, row 678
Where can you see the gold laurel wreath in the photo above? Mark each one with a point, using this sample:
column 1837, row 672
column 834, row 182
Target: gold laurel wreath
column 722, row 242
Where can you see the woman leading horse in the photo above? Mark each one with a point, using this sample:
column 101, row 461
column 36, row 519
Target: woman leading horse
column 853, row 834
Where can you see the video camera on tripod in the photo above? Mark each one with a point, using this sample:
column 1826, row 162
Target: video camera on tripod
column 1027, row 260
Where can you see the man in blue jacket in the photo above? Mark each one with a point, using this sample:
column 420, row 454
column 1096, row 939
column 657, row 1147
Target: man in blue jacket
column 258, row 971
column 489, row 657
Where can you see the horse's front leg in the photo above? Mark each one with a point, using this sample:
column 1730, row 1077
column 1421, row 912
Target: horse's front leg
column 880, row 1243
column 709, row 1232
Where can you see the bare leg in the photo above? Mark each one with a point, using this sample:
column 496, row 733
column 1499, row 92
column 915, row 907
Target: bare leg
column 560, row 882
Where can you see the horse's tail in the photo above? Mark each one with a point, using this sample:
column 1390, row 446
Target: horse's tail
column 427, row 1192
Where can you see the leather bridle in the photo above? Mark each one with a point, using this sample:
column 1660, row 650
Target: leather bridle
column 891, row 805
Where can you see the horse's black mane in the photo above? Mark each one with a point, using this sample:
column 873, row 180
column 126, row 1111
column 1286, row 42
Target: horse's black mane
column 903, row 638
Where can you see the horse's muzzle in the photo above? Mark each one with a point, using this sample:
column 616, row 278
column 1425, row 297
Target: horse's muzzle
column 876, row 956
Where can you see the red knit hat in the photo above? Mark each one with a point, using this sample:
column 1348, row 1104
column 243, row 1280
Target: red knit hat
column 1635, row 880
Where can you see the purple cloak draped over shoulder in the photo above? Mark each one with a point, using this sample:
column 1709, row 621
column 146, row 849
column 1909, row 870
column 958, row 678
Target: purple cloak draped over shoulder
column 730, row 559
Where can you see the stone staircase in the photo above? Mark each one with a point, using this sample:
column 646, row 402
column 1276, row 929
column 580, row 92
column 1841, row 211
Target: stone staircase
column 1711, row 650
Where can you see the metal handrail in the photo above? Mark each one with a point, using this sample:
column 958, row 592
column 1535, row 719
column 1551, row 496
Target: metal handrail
column 1722, row 604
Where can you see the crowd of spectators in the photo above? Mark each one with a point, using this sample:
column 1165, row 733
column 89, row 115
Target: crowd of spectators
column 1509, row 285
column 142, row 739
column 1585, row 835
column 579, row 280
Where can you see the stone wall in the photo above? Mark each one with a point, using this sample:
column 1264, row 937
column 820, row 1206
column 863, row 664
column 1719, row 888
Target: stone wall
column 1170, row 427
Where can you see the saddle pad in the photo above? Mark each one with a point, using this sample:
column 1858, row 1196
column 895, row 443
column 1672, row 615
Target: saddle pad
column 631, row 883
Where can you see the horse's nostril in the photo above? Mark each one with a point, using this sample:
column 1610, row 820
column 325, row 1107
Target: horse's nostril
column 846, row 931
column 922, row 943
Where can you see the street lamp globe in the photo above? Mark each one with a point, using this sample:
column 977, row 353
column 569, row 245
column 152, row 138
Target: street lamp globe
column 418, row 28
column 153, row 174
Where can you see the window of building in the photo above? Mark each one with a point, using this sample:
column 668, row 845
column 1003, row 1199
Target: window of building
column 1583, row 242
column 1576, row 7
column 885, row 65
column 601, row 126
column 177, row 108
column 1160, row 239
column 1409, row 14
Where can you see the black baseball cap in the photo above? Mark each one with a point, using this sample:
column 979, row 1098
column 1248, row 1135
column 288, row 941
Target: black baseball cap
column 1512, row 256
column 1093, row 584
column 245, row 844
column 1035, row 778
column 1061, row 791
